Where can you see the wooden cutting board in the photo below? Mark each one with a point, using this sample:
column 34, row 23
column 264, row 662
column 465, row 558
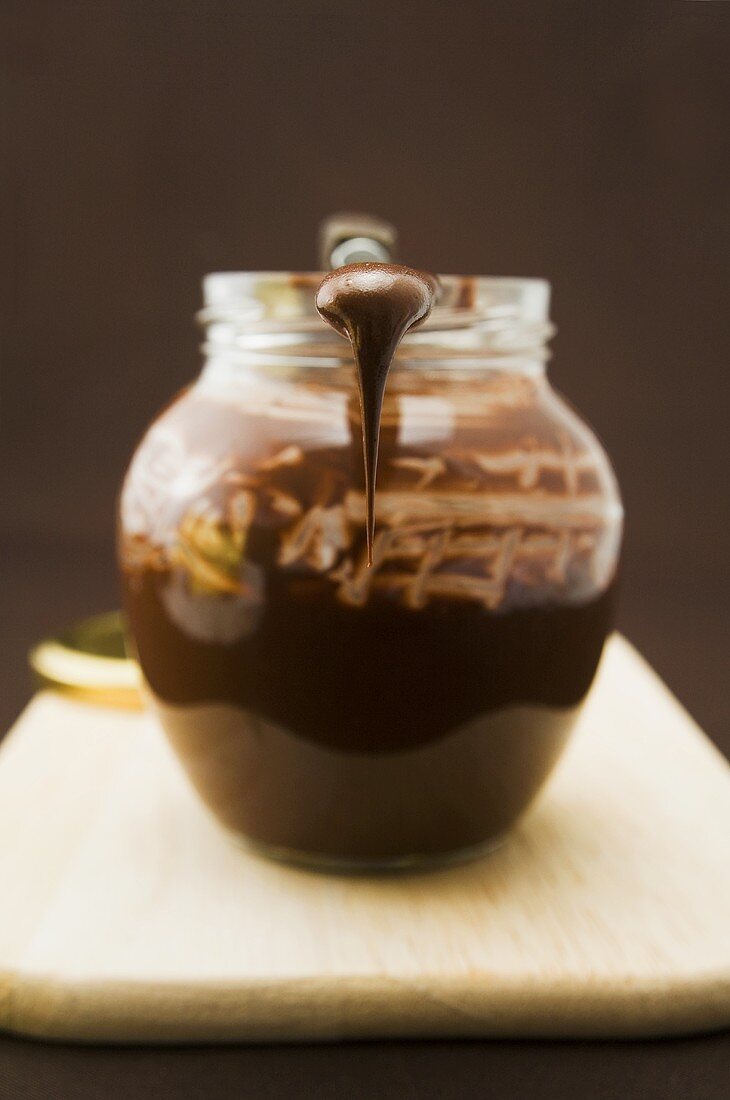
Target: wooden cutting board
column 127, row 914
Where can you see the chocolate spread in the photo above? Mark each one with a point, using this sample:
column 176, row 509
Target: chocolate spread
column 374, row 306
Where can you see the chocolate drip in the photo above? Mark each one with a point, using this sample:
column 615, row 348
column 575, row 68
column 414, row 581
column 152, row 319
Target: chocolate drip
column 374, row 306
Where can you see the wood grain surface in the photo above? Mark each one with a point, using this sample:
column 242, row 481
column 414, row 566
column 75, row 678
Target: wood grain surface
column 130, row 916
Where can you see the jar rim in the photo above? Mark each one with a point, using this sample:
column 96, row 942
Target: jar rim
column 287, row 298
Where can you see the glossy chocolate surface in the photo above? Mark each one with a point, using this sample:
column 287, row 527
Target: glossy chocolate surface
column 374, row 306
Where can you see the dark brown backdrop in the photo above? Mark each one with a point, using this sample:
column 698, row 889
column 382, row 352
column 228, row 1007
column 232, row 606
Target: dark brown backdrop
column 146, row 142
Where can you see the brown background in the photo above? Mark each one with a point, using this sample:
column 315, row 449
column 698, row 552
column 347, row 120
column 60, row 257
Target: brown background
column 145, row 143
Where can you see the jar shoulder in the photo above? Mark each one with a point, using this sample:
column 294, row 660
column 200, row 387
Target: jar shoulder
column 522, row 441
column 530, row 435
column 582, row 438
column 487, row 495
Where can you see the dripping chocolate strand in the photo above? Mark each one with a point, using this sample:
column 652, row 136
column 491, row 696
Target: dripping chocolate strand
column 374, row 306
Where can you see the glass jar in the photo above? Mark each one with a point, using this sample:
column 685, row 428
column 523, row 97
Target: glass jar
column 348, row 715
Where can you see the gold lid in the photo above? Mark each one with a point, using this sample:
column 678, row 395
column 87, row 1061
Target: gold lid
column 89, row 661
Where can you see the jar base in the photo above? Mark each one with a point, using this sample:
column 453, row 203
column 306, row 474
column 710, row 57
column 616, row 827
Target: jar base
column 415, row 862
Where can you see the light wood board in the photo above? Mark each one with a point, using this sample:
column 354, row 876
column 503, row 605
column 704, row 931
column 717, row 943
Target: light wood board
column 127, row 914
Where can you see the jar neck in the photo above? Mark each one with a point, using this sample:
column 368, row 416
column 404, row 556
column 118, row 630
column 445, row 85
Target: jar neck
column 334, row 369
column 268, row 322
column 293, row 390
